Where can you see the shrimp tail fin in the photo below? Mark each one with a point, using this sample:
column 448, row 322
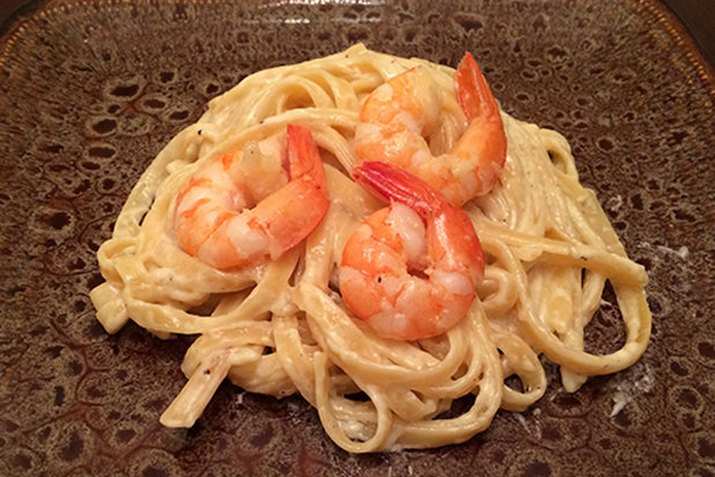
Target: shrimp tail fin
column 304, row 160
column 398, row 185
column 292, row 212
column 473, row 93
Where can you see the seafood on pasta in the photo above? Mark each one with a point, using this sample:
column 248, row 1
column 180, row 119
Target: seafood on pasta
column 375, row 234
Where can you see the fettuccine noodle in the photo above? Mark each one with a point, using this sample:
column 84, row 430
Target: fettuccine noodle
column 281, row 327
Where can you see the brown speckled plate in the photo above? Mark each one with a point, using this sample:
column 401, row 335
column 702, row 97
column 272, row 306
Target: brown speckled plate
column 91, row 90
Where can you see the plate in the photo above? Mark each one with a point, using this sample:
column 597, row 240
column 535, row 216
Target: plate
column 91, row 91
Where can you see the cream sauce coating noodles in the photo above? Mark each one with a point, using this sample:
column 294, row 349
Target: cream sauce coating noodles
column 281, row 327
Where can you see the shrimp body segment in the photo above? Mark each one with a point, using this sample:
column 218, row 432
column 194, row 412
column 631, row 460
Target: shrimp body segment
column 398, row 116
column 410, row 270
column 223, row 218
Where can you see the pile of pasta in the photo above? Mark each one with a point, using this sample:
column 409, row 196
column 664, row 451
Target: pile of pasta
column 281, row 327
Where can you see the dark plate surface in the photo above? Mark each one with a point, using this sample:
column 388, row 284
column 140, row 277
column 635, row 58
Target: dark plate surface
column 89, row 93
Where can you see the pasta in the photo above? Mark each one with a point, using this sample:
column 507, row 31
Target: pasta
column 281, row 327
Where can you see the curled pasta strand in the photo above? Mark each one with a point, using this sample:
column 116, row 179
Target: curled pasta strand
column 332, row 425
column 349, row 346
column 519, row 359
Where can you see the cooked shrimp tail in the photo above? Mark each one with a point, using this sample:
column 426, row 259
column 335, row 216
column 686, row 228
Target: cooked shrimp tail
column 393, row 184
column 473, row 92
column 295, row 210
column 303, row 157
column 485, row 138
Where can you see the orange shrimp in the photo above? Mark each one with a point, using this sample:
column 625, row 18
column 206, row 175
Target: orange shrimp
column 398, row 115
column 213, row 219
column 410, row 270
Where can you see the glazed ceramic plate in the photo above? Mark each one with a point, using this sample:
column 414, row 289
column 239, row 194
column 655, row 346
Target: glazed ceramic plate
column 89, row 93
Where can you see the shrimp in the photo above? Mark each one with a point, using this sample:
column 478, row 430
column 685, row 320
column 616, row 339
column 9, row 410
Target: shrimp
column 214, row 220
column 398, row 115
column 410, row 270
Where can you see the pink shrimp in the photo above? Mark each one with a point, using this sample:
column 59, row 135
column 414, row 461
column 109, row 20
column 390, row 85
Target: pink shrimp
column 410, row 270
column 398, row 115
column 214, row 221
